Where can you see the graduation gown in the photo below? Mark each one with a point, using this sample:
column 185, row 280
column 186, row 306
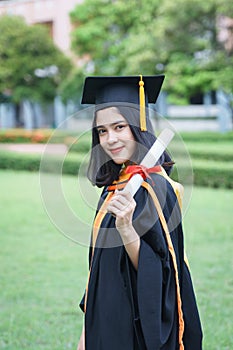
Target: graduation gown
column 154, row 307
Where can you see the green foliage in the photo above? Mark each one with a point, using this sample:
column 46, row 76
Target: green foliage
column 197, row 60
column 80, row 144
column 32, row 162
column 213, row 174
column 23, row 49
column 71, row 87
column 109, row 32
column 146, row 37
column 208, row 173
column 15, row 161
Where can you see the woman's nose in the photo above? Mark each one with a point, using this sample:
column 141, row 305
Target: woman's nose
column 112, row 137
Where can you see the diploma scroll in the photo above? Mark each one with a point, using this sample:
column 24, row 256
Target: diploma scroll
column 150, row 159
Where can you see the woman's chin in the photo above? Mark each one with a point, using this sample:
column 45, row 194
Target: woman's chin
column 120, row 160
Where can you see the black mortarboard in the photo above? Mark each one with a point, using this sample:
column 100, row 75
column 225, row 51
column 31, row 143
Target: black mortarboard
column 130, row 89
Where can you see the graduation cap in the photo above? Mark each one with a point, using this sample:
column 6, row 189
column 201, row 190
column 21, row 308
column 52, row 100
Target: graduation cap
column 139, row 90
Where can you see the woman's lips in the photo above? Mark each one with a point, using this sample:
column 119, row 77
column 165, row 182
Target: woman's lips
column 115, row 150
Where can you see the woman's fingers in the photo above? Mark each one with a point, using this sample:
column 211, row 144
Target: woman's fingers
column 122, row 202
column 119, row 204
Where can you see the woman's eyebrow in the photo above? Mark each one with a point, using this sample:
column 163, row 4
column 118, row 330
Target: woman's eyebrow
column 117, row 122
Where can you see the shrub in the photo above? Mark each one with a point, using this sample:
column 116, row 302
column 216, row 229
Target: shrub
column 213, row 174
column 81, row 144
column 24, row 136
column 35, row 136
column 17, row 161
column 204, row 150
column 209, row 174
column 52, row 164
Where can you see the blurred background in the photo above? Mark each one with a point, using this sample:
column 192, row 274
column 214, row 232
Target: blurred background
column 47, row 48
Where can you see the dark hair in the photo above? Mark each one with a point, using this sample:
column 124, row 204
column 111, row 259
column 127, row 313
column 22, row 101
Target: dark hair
column 102, row 170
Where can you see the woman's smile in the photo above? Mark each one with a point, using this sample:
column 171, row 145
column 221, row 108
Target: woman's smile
column 116, row 150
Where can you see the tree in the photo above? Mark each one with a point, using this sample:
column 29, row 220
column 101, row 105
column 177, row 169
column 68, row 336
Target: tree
column 148, row 37
column 71, row 87
column 31, row 66
column 195, row 58
column 113, row 33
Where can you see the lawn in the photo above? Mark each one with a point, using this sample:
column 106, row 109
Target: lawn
column 43, row 273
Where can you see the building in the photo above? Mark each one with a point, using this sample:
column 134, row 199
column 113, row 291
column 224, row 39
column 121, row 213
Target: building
column 54, row 14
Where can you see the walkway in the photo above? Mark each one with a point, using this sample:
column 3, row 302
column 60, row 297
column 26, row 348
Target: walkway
column 34, row 148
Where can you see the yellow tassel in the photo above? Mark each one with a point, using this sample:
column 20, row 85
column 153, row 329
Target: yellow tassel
column 142, row 105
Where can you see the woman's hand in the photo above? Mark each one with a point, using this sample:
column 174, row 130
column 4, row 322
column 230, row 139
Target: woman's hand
column 81, row 343
column 122, row 206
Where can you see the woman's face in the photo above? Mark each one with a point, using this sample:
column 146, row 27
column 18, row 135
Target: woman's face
column 115, row 135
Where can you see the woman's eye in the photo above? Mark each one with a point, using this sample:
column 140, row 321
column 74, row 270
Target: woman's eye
column 120, row 126
column 101, row 131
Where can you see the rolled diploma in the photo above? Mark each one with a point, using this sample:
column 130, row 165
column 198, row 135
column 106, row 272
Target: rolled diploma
column 152, row 156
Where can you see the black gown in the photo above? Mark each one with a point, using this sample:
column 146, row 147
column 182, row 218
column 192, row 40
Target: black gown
column 138, row 310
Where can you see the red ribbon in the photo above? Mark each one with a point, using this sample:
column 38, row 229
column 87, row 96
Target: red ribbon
column 132, row 170
column 142, row 170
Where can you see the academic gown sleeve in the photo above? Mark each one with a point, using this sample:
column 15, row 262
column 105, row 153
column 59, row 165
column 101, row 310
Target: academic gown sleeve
column 156, row 300
column 192, row 330
column 156, row 291
column 156, row 285
column 82, row 302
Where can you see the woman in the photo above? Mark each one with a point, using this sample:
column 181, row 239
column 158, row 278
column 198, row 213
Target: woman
column 139, row 293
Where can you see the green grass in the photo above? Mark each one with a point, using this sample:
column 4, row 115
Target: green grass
column 208, row 231
column 207, row 136
column 43, row 274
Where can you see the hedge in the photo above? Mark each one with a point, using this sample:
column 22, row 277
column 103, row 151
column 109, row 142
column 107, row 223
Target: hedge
column 207, row 151
column 207, row 174
column 81, row 144
column 51, row 164
column 211, row 174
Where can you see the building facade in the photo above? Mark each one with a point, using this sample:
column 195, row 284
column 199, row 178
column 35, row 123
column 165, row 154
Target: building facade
column 53, row 14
